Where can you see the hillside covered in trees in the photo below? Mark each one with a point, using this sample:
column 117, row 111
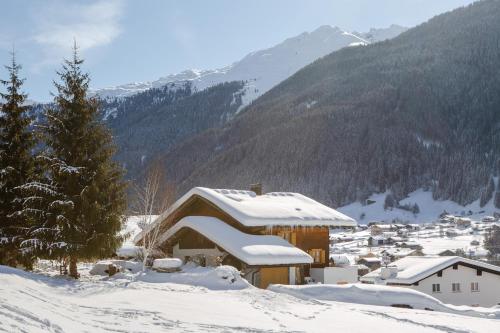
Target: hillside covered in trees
column 150, row 123
column 420, row 110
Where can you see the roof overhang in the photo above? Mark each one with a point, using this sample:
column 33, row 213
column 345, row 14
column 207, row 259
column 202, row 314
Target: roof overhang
column 268, row 210
column 253, row 250
column 454, row 260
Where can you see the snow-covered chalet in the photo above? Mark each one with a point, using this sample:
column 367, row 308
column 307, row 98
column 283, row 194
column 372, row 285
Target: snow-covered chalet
column 271, row 238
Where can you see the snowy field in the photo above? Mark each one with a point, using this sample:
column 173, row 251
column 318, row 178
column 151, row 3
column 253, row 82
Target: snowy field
column 429, row 209
column 198, row 300
column 433, row 241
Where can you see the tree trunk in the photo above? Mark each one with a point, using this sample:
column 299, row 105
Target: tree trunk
column 73, row 270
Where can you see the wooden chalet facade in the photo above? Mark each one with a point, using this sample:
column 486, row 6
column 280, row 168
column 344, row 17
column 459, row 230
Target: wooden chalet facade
column 301, row 222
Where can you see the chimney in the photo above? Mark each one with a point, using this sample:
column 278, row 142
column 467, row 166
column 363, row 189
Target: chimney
column 257, row 188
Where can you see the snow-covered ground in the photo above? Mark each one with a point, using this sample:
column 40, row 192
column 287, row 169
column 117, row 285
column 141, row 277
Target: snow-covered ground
column 433, row 241
column 177, row 302
column 382, row 296
column 430, row 209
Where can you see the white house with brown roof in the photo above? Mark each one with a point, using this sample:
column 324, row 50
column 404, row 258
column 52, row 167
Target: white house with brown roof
column 453, row 280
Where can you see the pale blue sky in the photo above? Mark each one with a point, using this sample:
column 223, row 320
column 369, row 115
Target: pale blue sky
column 125, row 41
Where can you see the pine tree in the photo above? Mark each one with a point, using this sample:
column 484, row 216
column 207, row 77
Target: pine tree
column 492, row 242
column 389, row 201
column 17, row 164
column 496, row 197
column 83, row 198
column 487, row 193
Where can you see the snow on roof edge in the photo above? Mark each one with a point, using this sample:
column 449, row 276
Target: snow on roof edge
column 255, row 250
column 447, row 261
column 215, row 196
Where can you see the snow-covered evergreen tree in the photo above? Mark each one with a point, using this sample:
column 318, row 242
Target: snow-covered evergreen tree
column 81, row 207
column 16, row 164
column 487, row 193
column 497, row 196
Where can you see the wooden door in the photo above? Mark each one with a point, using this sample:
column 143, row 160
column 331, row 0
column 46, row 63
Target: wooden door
column 273, row 275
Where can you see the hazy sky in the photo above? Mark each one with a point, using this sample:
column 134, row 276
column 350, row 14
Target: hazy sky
column 126, row 41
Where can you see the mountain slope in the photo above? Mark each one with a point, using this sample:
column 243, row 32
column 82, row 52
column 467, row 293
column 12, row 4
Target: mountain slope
column 420, row 110
column 148, row 119
column 265, row 68
column 149, row 123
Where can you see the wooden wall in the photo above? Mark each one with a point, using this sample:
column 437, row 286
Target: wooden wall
column 306, row 239
column 273, row 275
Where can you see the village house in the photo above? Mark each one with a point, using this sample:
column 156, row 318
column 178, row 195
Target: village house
column 372, row 263
column 271, row 238
column 446, row 253
column 396, row 253
column 463, row 222
column 377, row 240
column 409, row 245
column 340, row 271
column 378, row 229
column 413, row 227
column 451, row 279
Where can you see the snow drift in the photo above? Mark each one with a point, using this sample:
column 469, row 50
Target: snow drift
column 380, row 295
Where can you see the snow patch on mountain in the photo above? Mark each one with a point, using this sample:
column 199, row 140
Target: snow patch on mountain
column 262, row 70
column 430, row 209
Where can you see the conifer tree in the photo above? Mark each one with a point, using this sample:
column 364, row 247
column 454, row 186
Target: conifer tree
column 487, row 193
column 16, row 164
column 83, row 198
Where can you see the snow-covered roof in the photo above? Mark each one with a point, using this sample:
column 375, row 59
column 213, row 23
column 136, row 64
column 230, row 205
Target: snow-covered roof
column 254, row 250
column 413, row 269
column 270, row 209
column 370, row 259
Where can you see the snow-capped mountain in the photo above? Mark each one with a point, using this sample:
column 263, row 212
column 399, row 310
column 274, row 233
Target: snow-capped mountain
column 261, row 70
column 378, row 35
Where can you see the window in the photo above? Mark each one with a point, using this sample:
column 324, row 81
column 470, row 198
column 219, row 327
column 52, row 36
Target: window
column 436, row 288
column 455, row 287
column 479, row 272
column 440, row 273
column 318, row 255
column 455, row 266
column 474, row 286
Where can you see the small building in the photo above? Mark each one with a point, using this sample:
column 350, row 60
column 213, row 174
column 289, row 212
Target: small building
column 463, row 222
column 335, row 275
column 271, row 238
column 489, row 219
column 397, row 253
column 447, row 218
column 395, row 240
column 378, row 240
column 447, row 253
column 372, row 263
column 409, row 245
column 453, row 280
column 378, row 229
column 413, row 227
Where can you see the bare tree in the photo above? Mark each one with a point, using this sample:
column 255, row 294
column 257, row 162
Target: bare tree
column 153, row 196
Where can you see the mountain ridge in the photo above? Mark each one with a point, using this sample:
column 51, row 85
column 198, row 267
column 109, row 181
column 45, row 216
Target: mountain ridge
column 252, row 68
column 417, row 111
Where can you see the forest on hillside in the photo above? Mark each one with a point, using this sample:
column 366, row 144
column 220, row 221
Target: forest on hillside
column 419, row 111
